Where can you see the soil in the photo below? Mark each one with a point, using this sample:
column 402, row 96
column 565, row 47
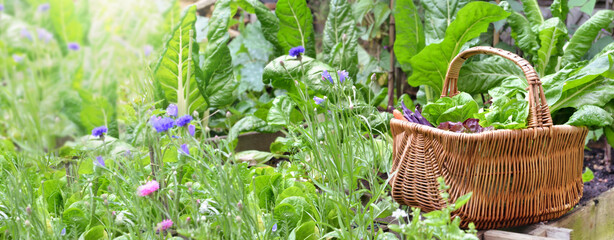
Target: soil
column 603, row 181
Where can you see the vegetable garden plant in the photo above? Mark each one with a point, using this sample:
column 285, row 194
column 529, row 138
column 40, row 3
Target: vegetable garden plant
column 113, row 111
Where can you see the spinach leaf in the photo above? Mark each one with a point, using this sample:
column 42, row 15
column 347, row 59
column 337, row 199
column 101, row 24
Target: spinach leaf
column 456, row 109
column 505, row 113
column 591, row 116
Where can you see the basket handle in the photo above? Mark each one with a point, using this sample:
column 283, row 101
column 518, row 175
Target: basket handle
column 539, row 112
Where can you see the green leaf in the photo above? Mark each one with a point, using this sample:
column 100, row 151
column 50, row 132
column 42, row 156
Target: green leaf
column 533, row 13
column 75, row 220
column 559, row 9
column 215, row 78
column 254, row 156
column 597, row 92
column 308, row 231
column 505, row 113
column 480, row 76
column 583, row 38
column 609, row 134
column 248, row 123
column 279, row 113
column 51, row 192
column 552, row 35
column 270, row 25
column 588, row 175
column 97, row 111
column 66, row 24
column 283, row 77
column 340, row 38
column 96, row 233
column 438, row 15
column 524, row 37
column 595, row 68
column 590, row 116
column 295, row 26
column 456, row 109
column 409, row 38
column 431, row 64
column 462, row 200
column 174, row 74
column 553, row 84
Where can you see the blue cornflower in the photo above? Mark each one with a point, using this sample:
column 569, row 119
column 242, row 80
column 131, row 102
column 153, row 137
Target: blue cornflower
column 162, row 124
column 1, row 7
column 192, row 129
column 296, row 51
column 342, row 75
column 183, row 120
column 185, row 149
column 99, row 162
column 26, row 34
column 18, row 58
column 318, row 100
column 99, row 131
column 73, row 46
column 326, row 76
column 44, row 35
column 43, row 7
column 172, row 110
column 147, row 50
column 274, row 229
column 63, row 232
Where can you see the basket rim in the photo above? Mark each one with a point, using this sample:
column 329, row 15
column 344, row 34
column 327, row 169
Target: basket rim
column 437, row 131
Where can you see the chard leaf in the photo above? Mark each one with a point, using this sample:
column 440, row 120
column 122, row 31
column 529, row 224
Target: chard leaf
column 597, row 92
column 505, row 113
column 174, row 73
column 533, row 13
column 552, row 35
column 456, row 109
column 283, row 77
column 66, row 23
column 248, row 123
column 510, row 87
column 480, row 76
column 215, row 78
column 553, row 84
column 583, row 38
column 607, row 50
column 591, row 116
column 269, row 24
column 295, row 26
column 559, row 8
column 431, row 64
column 340, row 38
column 438, row 15
column 524, row 37
column 409, row 34
column 591, row 71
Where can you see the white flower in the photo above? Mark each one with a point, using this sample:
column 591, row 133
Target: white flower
column 205, row 207
column 399, row 213
column 121, row 218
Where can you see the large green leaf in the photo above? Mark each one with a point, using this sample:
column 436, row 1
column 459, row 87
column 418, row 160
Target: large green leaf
column 583, row 38
column 96, row 233
column 66, row 24
column 295, row 26
column 524, row 37
column 597, row 92
column 505, row 113
column 431, row 64
column 270, row 25
column 98, row 111
column 480, row 76
column 174, row 75
column 533, row 13
column 340, row 39
column 409, row 39
column 559, row 9
column 454, row 109
column 591, row 116
column 438, row 15
column 248, row 123
column 598, row 66
column 279, row 114
column 215, row 78
column 552, row 35
column 283, row 77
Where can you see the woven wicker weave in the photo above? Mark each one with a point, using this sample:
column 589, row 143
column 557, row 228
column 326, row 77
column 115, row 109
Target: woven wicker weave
column 517, row 176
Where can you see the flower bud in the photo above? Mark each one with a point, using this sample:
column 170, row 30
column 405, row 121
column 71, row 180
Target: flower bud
column 195, row 114
column 344, row 37
column 240, row 206
column 228, row 114
column 28, row 210
column 188, row 184
column 27, row 223
column 373, row 77
column 238, row 218
column 281, row 63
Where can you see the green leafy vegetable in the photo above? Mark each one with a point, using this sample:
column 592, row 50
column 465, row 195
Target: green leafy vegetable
column 524, row 37
column 340, row 38
column 283, row 77
column 438, row 14
column 588, row 175
column 583, row 38
column 505, row 113
column 559, row 9
column 531, row 10
column 270, row 25
column 66, row 23
column 455, row 109
column 597, row 92
column 431, row 64
column 552, row 35
column 480, row 76
column 591, row 116
column 295, row 26
column 409, row 39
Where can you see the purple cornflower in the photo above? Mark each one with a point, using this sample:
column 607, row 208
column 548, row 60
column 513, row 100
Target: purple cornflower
column 318, row 100
column 99, row 162
column 26, row 34
column 1, row 7
column 342, row 75
column 165, row 224
column 185, row 149
column 296, row 51
column 43, row 7
column 18, row 58
column 44, row 35
column 183, row 120
column 192, row 130
column 326, row 76
column 172, row 110
column 73, row 46
column 63, row 232
column 147, row 50
column 162, row 124
column 99, row 131
column 274, row 229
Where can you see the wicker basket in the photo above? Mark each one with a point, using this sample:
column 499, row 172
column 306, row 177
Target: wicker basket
column 517, row 177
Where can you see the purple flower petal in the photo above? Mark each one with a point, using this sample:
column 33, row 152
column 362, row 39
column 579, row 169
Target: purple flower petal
column 25, row 34
column 318, row 100
column 172, row 110
column 342, row 75
column 326, row 76
column 73, row 46
column 296, row 51
column 18, row 58
column 147, row 50
column 192, row 130
column 43, row 7
column 99, row 162
column 185, row 149
column 99, row 131
column 183, row 120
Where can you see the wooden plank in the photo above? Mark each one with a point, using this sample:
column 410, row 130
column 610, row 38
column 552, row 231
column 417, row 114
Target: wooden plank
column 552, row 232
column 503, row 235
